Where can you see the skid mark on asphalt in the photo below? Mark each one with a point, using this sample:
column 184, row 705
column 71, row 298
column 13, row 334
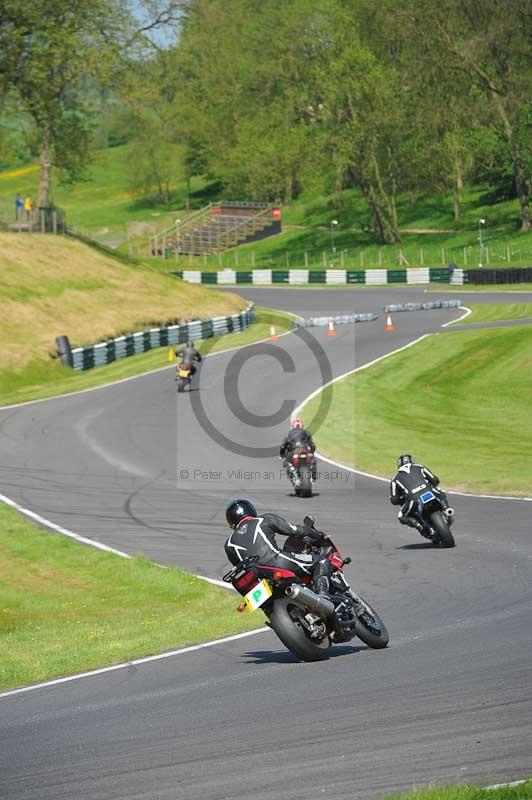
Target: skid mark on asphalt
column 115, row 461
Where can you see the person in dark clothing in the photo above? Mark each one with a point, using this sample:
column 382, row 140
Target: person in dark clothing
column 188, row 354
column 407, row 486
column 252, row 535
column 296, row 437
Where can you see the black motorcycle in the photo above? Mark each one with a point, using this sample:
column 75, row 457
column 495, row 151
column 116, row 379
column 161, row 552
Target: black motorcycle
column 300, row 470
column 436, row 519
column 308, row 623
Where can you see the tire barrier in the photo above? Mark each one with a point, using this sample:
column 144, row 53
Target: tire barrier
column 329, row 277
column 64, row 351
column 422, row 306
column 322, row 322
column 84, row 358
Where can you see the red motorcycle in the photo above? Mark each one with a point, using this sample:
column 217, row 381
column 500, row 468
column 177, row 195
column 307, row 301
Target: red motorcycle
column 300, row 471
column 308, row 623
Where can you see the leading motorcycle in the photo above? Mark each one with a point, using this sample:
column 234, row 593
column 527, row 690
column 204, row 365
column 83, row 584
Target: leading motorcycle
column 308, row 623
column 183, row 376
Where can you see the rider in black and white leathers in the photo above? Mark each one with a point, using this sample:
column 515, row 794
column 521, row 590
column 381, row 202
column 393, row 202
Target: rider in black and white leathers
column 256, row 536
column 406, row 487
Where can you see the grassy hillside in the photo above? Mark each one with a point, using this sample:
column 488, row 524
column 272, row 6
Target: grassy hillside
column 430, row 237
column 52, row 285
column 105, row 206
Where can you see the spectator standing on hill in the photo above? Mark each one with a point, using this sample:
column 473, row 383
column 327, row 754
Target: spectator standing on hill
column 28, row 207
column 19, row 205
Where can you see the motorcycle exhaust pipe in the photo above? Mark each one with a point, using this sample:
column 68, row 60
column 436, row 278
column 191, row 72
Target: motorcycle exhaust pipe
column 449, row 512
column 302, row 597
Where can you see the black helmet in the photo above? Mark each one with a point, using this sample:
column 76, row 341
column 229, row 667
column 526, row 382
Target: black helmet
column 237, row 509
column 404, row 459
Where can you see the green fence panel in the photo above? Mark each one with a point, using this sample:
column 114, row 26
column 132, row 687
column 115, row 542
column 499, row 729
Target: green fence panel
column 88, row 358
column 206, row 329
column 111, row 351
column 317, row 276
column 279, row 276
column 209, row 277
column 244, row 277
column 439, row 275
column 355, row 276
column 396, row 276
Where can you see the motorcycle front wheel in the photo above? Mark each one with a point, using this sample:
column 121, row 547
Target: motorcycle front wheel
column 369, row 626
column 285, row 620
column 444, row 537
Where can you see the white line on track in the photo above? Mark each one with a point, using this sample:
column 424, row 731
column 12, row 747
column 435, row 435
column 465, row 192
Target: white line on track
column 504, row 785
column 59, row 529
column 467, row 310
column 134, row 663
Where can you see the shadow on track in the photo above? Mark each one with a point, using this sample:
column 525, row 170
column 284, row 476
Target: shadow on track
column 417, row 546
column 286, row 657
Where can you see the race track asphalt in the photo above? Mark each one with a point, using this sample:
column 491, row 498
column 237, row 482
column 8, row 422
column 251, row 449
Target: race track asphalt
column 449, row 701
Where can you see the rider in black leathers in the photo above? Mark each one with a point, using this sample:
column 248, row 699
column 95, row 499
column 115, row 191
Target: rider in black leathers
column 252, row 534
column 188, row 354
column 406, row 487
column 297, row 437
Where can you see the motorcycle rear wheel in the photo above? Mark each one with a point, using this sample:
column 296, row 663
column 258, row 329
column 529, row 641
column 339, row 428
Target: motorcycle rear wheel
column 284, row 621
column 306, row 483
column 370, row 628
column 444, row 537
column 180, row 385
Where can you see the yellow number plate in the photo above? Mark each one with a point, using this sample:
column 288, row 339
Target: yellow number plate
column 258, row 595
column 184, row 373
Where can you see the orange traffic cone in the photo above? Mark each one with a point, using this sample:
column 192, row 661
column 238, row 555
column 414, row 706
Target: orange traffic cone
column 389, row 323
column 331, row 331
column 273, row 335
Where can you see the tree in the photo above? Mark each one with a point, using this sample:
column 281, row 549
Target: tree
column 47, row 49
column 488, row 42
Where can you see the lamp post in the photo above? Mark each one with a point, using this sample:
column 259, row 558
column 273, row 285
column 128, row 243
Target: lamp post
column 334, row 222
column 481, row 222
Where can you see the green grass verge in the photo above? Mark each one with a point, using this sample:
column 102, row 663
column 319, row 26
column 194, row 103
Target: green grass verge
column 498, row 311
column 460, row 402
column 521, row 792
column 39, row 380
column 68, row 608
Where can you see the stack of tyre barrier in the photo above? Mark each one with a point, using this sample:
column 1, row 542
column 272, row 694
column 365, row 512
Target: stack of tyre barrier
column 422, row 306
column 314, row 322
column 83, row 358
